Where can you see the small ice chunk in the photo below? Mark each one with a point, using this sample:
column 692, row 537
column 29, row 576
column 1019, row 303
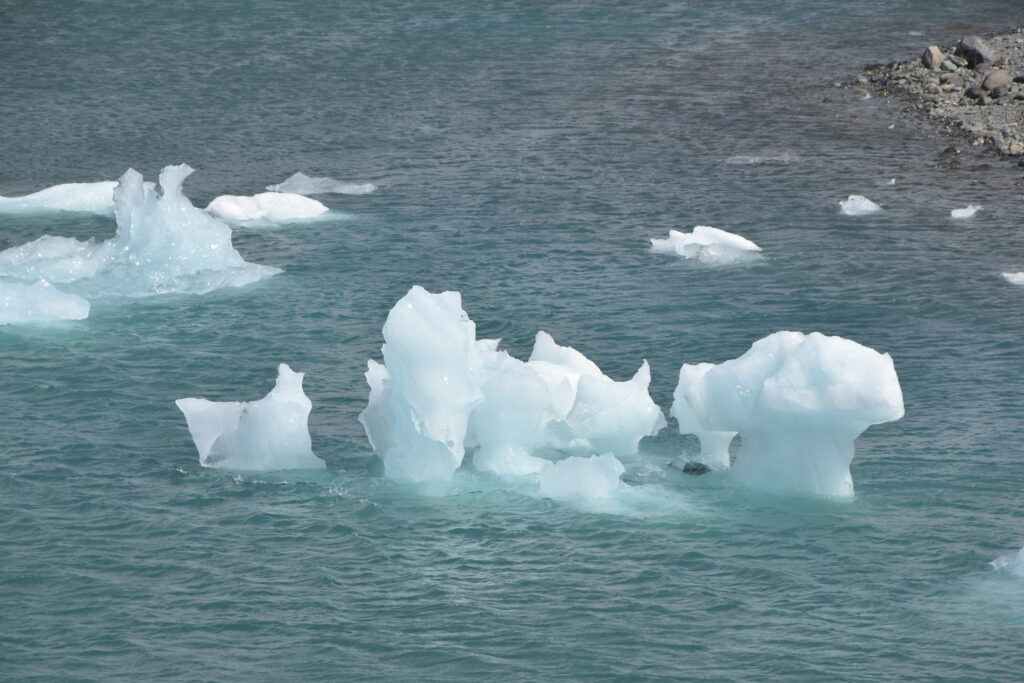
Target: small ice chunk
column 578, row 478
column 271, row 207
column 857, row 205
column 95, row 198
column 714, row 446
column 966, row 212
column 1014, row 278
column 300, row 183
column 258, row 436
column 798, row 402
column 40, row 301
column 774, row 160
column 707, row 245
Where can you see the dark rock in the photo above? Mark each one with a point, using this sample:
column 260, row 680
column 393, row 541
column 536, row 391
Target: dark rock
column 975, row 51
column 1000, row 92
column 958, row 60
column 974, row 93
column 1018, row 79
column 947, row 65
column 982, row 101
column 997, row 79
column 696, row 468
column 932, row 57
column 954, row 79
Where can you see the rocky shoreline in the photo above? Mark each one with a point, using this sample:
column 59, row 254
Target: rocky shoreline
column 973, row 89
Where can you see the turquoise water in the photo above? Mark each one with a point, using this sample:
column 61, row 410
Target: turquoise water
column 524, row 154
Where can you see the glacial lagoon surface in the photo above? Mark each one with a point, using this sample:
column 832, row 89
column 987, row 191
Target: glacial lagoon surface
column 524, row 154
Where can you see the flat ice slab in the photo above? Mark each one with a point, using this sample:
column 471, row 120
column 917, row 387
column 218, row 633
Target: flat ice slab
column 300, row 183
column 707, row 245
column 95, row 198
column 966, row 212
column 857, row 205
column 257, row 436
column 271, row 207
column 21, row 302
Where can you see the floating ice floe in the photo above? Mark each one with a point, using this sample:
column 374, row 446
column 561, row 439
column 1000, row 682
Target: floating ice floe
column 579, row 478
column 773, row 160
column 441, row 390
column 22, row 302
column 95, row 198
column 163, row 245
column 269, row 207
column 798, row 402
column 966, row 212
column 258, row 436
column 300, row 183
column 1014, row 278
column 714, row 446
column 857, row 205
column 707, row 245
column 1013, row 563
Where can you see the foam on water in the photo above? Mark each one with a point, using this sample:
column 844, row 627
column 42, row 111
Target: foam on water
column 95, row 198
column 300, row 183
column 163, row 245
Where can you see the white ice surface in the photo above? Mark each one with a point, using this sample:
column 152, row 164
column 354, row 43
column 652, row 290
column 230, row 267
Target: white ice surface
column 579, row 478
column 95, row 198
column 857, row 205
column 270, row 207
column 441, row 391
column 966, row 212
column 798, row 402
column 1014, row 278
column 22, row 302
column 300, row 183
column 258, row 436
column 714, row 446
column 707, row 245
column 163, row 244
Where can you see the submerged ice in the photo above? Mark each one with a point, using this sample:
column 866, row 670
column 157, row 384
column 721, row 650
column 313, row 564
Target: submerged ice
column 270, row 207
column 265, row 435
column 22, row 302
column 798, row 402
column 707, row 245
column 95, row 198
column 300, row 183
column 441, row 390
column 163, row 244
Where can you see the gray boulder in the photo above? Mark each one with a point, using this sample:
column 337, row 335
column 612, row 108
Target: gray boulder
column 932, row 57
column 975, row 50
column 997, row 79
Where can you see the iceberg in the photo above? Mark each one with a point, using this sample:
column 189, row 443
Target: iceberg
column 95, row 198
column 707, row 245
column 163, row 245
column 578, row 478
column 798, row 402
column 40, row 301
column 714, row 446
column 441, row 391
column 1014, row 278
column 300, row 183
column 258, row 436
column 857, row 205
column 966, row 212
column 270, row 207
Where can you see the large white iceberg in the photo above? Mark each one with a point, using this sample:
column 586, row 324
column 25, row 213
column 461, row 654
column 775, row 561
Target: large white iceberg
column 300, row 183
column 163, row 244
column 857, row 205
column 441, row 391
column 578, row 478
column 714, row 446
column 707, row 245
column 270, row 207
column 22, row 302
column 95, row 198
column 265, row 435
column 798, row 402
